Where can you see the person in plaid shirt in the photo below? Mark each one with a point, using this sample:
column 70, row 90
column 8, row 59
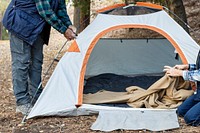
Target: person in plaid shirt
column 29, row 23
column 190, row 108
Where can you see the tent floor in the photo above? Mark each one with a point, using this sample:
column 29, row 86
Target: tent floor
column 118, row 83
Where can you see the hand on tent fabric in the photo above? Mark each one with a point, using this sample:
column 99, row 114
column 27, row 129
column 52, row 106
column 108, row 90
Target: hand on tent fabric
column 73, row 28
column 182, row 67
column 70, row 33
column 172, row 71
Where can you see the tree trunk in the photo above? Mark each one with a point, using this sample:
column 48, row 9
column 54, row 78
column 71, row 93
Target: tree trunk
column 178, row 8
column 81, row 14
column 77, row 18
column 1, row 27
column 85, row 16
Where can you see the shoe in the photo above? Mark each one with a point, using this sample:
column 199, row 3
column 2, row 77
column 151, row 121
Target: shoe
column 24, row 109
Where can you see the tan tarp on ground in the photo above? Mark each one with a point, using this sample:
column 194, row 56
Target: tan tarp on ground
column 167, row 92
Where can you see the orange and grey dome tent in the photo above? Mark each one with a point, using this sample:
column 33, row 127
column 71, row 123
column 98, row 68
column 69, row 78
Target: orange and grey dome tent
column 90, row 55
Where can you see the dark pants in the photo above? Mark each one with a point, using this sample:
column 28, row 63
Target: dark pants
column 27, row 63
column 190, row 110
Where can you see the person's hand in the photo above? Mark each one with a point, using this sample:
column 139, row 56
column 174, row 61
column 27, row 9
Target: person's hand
column 70, row 33
column 171, row 71
column 73, row 28
column 182, row 67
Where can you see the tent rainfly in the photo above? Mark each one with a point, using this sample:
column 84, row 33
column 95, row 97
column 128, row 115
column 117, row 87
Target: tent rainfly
column 90, row 55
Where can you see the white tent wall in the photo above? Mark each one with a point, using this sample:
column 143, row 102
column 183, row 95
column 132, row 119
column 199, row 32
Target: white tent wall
column 61, row 89
column 131, row 56
column 64, row 89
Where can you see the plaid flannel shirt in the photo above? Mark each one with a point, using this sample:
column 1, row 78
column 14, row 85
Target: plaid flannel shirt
column 58, row 20
column 193, row 74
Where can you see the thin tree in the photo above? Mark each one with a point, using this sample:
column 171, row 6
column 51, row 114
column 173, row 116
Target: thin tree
column 1, row 28
column 81, row 14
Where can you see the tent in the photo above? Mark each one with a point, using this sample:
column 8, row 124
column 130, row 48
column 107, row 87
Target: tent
column 91, row 55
